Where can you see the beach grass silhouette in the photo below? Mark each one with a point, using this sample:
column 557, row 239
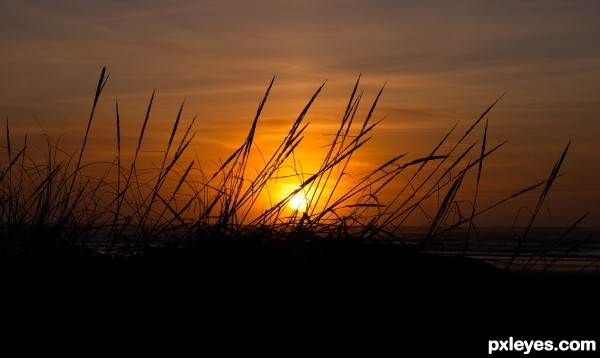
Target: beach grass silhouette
column 125, row 210
column 192, row 239
column 66, row 221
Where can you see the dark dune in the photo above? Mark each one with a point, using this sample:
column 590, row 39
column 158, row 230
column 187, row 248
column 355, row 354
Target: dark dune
column 337, row 295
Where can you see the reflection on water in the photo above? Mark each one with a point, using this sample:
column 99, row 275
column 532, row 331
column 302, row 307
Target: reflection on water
column 542, row 249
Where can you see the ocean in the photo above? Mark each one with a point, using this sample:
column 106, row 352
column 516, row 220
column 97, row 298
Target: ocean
column 546, row 249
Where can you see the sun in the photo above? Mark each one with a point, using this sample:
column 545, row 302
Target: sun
column 298, row 202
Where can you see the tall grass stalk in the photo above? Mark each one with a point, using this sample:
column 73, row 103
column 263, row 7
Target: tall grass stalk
column 126, row 209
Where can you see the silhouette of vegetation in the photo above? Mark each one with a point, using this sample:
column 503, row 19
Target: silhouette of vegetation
column 54, row 206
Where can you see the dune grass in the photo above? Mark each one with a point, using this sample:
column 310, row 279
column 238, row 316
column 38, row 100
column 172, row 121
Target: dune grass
column 52, row 205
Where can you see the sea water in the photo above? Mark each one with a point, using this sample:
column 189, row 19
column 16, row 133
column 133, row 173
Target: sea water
column 546, row 249
column 552, row 249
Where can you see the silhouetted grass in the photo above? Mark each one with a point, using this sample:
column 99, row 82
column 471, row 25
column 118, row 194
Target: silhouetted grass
column 54, row 206
column 171, row 248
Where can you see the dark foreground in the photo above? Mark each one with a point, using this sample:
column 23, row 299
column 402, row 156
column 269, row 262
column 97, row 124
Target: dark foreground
column 292, row 297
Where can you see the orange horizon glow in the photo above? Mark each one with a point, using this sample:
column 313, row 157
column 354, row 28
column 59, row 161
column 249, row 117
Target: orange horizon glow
column 442, row 64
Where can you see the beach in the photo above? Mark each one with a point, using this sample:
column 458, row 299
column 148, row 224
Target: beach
column 337, row 293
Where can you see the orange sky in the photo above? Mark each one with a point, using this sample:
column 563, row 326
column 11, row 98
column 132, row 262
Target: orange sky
column 443, row 63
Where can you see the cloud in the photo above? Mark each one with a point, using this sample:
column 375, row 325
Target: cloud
column 444, row 62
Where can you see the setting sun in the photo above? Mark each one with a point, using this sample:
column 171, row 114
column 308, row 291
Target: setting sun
column 298, row 202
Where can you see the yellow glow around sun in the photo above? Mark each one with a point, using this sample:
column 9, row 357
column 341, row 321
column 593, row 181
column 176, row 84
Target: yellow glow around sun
column 298, row 202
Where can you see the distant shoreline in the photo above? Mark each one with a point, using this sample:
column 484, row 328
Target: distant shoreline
column 273, row 261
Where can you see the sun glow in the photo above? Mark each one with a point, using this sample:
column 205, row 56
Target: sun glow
column 298, row 202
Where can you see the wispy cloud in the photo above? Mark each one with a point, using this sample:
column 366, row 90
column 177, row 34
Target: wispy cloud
column 443, row 61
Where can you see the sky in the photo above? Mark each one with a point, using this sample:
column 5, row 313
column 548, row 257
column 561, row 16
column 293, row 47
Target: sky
column 442, row 63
